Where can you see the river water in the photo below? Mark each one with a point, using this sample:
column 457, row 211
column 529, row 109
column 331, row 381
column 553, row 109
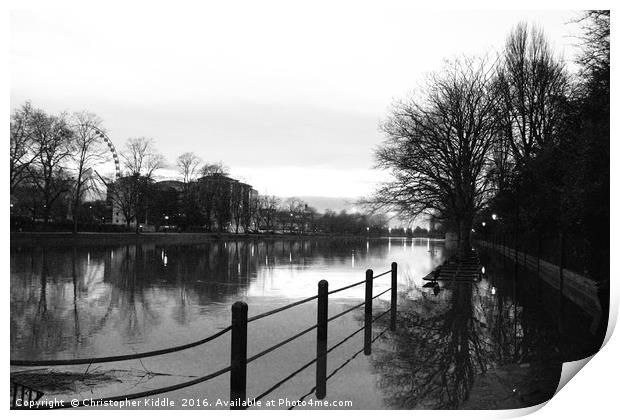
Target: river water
column 90, row 301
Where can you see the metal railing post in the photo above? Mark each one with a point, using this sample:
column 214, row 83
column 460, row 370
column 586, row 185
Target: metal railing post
column 538, row 250
column 561, row 264
column 394, row 293
column 368, row 314
column 561, row 285
column 238, row 355
column 321, row 341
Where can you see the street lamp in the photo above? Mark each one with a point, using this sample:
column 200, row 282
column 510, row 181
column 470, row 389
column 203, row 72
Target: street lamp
column 484, row 224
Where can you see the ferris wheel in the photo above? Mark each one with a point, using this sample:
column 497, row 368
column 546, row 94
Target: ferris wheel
column 103, row 136
column 91, row 172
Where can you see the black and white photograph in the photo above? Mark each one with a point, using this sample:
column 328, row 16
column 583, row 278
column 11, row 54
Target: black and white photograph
column 277, row 205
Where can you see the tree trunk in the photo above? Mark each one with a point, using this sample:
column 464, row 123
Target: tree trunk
column 464, row 246
column 75, row 218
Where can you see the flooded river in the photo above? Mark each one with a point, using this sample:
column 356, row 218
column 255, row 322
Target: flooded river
column 91, row 301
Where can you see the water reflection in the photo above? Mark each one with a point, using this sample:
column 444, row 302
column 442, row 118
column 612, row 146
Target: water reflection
column 448, row 339
column 71, row 300
column 101, row 300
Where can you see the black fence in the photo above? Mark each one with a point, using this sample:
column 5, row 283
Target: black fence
column 566, row 249
column 239, row 345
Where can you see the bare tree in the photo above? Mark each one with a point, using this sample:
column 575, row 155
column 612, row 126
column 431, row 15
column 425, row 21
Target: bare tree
column 141, row 158
column 22, row 152
column 125, row 194
column 595, row 41
column 52, row 146
column 532, row 85
column 130, row 193
column 88, row 151
column 268, row 210
column 251, row 217
column 437, row 148
column 502, row 164
column 214, row 169
column 294, row 208
column 188, row 163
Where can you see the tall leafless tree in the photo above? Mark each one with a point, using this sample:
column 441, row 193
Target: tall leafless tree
column 268, row 209
column 532, row 85
column 141, row 158
column 188, row 164
column 437, row 148
column 88, row 152
column 22, row 152
column 595, row 41
column 130, row 194
column 52, row 143
column 293, row 209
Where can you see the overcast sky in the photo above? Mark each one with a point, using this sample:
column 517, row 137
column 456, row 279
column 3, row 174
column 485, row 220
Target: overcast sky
column 289, row 98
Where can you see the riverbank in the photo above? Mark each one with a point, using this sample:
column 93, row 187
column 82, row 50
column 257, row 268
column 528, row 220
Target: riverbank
column 130, row 238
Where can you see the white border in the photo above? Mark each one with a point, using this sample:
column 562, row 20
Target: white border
column 592, row 395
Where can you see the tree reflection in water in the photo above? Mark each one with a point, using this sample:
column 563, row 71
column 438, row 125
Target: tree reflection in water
column 69, row 301
column 443, row 343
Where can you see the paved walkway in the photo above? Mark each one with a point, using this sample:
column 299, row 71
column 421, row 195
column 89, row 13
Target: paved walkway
column 514, row 386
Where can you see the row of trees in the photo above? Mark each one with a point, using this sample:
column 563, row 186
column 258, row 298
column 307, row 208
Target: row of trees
column 517, row 135
column 54, row 178
column 208, row 199
column 51, row 161
column 258, row 213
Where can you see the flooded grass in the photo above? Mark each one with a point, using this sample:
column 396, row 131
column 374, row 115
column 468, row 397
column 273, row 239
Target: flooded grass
column 57, row 382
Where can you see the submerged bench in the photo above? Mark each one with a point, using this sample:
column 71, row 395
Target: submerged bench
column 464, row 269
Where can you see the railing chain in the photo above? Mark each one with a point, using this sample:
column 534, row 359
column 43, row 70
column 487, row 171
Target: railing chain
column 239, row 359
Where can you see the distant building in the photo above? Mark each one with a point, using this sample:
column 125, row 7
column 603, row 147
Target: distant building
column 170, row 185
column 222, row 202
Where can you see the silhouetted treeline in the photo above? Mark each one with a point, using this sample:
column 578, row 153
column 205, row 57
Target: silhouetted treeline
column 519, row 137
column 56, row 186
column 560, row 192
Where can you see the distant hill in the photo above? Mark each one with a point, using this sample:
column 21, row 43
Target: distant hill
column 337, row 204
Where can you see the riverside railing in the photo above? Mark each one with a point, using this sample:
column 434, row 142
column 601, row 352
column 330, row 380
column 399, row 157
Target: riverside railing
column 239, row 345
